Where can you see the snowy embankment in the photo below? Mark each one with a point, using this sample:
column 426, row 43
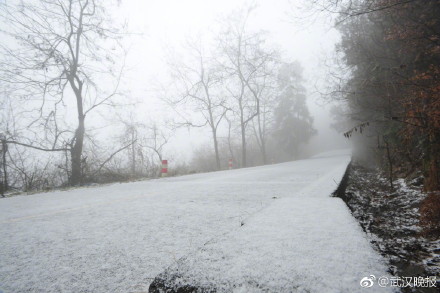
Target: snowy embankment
column 272, row 227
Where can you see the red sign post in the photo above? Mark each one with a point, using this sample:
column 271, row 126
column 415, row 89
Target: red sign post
column 164, row 168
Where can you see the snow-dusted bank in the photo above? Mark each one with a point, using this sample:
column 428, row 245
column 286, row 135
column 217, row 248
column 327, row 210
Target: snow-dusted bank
column 270, row 228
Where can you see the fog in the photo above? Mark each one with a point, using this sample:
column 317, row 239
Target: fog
column 165, row 25
column 134, row 74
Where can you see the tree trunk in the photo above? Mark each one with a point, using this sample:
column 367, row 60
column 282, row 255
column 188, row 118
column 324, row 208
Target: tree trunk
column 243, row 130
column 77, row 148
column 390, row 164
column 133, row 154
column 5, row 170
column 217, row 156
column 261, row 142
column 432, row 178
column 76, row 152
column 263, row 153
column 262, row 139
column 243, row 145
column 214, row 131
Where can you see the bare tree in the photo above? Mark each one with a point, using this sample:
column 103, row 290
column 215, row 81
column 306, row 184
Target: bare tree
column 56, row 50
column 156, row 139
column 247, row 62
column 262, row 124
column 131, row 135
column 198, row 79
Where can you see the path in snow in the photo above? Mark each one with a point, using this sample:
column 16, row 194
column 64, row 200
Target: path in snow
column 116, row 238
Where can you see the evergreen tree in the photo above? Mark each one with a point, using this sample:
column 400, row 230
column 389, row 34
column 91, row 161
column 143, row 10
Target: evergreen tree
column 293, row 124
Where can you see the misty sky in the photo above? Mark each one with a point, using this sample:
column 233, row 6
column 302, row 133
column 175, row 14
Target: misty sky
column 164, row 25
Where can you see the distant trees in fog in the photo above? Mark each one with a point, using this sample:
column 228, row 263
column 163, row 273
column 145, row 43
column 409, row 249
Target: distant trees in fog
column 293, row 124
column 240, row 82
column 199, row 80
column 63, row 61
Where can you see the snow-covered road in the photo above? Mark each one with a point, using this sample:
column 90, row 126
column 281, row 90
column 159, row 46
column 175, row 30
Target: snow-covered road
column 272, row 227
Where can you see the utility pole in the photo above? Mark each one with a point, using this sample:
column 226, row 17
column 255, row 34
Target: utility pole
column 4, row 177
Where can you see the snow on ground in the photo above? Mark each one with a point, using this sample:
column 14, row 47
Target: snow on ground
column 391, row 220
column 117, row 238
column 305, row 241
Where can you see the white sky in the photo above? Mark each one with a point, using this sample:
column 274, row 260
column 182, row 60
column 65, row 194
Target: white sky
column 163, row 24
